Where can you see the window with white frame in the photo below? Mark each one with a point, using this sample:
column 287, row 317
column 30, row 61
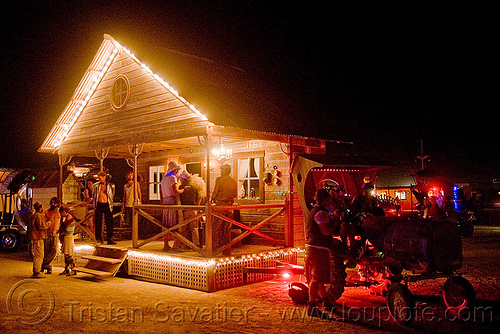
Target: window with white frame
column 156, row 174
column 249, row 174
column 400, row 194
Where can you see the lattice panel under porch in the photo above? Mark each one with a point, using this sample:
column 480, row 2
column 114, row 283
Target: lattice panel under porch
column 173, row 270
column 229, row 272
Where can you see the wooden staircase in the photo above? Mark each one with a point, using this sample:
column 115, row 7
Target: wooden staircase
column 105, row 261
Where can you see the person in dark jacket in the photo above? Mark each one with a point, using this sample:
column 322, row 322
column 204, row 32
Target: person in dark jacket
column 320, row 226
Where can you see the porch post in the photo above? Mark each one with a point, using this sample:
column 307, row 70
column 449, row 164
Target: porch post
column 135, row 150
column 59, row 186
column 208, row 204
column 289, row 233
column 101, row 155
column 63, row 160
column 135, row 214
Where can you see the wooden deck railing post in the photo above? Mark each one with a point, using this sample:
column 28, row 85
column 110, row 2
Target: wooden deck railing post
column 288, row 224
column 63, row 160
column 135, row 150
column 290, row 219
column 208, row 221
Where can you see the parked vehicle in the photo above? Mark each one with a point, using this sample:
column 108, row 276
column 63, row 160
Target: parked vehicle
column 14, row 208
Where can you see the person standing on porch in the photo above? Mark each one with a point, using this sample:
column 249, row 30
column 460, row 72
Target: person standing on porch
column 224, row 194
column 128, row 197
column 102, row 195
column 169, row 192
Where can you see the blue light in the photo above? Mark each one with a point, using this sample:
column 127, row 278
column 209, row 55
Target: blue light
column 455, row 197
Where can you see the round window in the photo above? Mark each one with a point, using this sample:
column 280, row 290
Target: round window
column 120, row 92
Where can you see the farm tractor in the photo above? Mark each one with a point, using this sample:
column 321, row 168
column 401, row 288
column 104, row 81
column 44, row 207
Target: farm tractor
column 390, row 252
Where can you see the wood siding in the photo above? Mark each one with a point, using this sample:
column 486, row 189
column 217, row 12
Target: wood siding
column 151, row 114
column 273, row 156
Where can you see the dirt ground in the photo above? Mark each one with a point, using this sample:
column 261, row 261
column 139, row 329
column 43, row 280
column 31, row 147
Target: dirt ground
column 61, row 304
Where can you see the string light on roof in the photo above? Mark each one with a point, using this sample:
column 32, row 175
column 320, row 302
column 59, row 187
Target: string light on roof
column 99, row 74
column 165, row 84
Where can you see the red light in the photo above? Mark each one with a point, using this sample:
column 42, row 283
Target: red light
column 286, row 275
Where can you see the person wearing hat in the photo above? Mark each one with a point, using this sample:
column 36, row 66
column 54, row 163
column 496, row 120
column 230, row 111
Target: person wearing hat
column 169, row 192
column 225, row 192
column 366, row 202
column 102, row 196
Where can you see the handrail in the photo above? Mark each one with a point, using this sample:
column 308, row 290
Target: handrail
column 214, row 207
column 163, row 206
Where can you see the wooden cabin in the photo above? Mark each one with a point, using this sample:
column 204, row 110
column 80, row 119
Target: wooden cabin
column 125, row 110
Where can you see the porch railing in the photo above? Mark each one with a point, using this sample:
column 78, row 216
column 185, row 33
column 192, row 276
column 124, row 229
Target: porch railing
column 140, row 210
column 147, row 210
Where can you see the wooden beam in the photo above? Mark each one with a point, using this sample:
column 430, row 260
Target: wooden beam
column 168, row 132
column 289, row 228
column 208, row 201
column 248, row 134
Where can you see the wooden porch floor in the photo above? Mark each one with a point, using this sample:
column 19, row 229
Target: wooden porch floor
column 158, row 246
column 191, row 270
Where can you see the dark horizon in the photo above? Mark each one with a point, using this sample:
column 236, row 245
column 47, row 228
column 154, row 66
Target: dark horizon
column 384, row 76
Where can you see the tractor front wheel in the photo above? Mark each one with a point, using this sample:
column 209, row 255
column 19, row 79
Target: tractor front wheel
column 401, row 303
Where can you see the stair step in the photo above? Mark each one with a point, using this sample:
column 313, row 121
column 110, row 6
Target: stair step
column 98, row 273
column 102, row 259
column 114, row 247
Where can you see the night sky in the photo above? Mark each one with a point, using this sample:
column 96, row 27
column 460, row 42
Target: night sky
column 382, row 74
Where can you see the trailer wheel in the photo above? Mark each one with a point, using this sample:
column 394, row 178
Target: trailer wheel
column 10, row 240
column 458, row 295
column 401, row 303
column 337, row 276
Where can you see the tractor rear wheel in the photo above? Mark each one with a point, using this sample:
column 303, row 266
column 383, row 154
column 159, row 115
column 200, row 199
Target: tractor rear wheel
column 458, row 295
column 337, row 276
